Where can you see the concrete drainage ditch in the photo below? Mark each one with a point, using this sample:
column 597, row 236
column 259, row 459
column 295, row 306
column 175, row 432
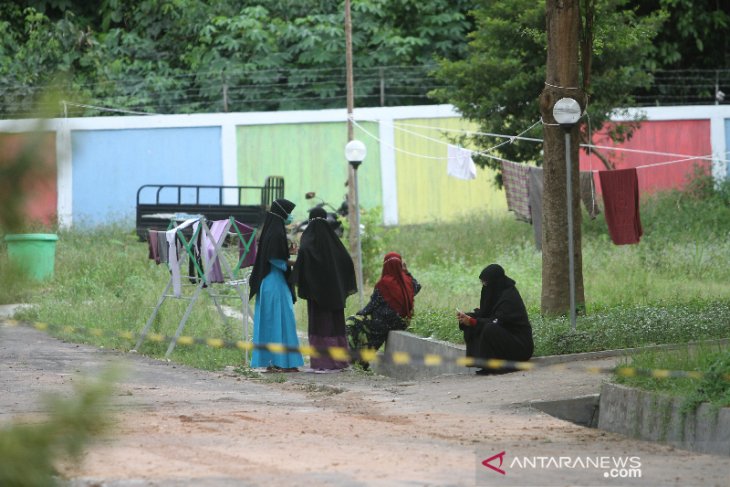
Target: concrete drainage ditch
column 647, row 416
column 581, row 410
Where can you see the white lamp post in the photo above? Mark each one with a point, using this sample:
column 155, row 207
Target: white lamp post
column 567, row 113
column 355, row 152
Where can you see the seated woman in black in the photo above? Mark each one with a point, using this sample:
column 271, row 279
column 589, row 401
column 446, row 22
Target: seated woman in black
column 499, row 328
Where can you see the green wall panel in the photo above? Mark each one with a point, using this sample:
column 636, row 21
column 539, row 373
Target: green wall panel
column 425, row 192
column 311, row 157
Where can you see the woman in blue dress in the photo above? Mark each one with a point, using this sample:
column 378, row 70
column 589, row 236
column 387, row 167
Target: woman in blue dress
column 274, row 312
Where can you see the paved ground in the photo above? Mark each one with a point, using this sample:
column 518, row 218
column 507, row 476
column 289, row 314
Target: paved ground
column 180, row 426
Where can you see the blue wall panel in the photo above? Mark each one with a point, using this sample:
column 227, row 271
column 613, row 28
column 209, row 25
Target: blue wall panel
column 109, row 166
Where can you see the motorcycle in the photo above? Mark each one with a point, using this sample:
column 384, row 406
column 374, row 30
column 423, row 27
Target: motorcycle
column 333, row 217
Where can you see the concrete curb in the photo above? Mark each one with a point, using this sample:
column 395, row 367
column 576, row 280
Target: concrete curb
column 415, row 345
column 658, row 417
column 403, row 341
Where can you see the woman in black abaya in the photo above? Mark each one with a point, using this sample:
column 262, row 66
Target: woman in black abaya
column 274, row 320
column 499, row 328
column 325, row 276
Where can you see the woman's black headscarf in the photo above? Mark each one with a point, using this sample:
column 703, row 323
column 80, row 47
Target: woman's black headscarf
column 272, row 243
column 497, row 283
column 323, row 272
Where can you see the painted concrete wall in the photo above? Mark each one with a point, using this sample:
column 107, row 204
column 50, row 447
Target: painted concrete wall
column 717, row 115
column 676, row 139
column 425, row 191
column 110, row 165
column 101, row 161
column 311, row 157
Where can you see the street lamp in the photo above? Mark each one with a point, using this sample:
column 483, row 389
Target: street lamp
column 355, row 152
column 566, row 112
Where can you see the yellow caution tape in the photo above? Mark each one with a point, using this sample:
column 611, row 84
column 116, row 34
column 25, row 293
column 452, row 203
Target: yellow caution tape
column 367, row 355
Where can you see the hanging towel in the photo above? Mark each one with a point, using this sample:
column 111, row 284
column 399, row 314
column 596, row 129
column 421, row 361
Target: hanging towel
column 514, row 178
column 212, row 266
column 621, row 204
column 460, row 165
column 175, row 257
column 153, row 254
column 535, row 190
column 248, row 235
column 588, row 193
column 157, row 246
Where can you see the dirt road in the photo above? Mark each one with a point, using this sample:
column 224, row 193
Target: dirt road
column 180, row 426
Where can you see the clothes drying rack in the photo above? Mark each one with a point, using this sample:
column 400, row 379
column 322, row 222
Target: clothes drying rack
column 235, row 277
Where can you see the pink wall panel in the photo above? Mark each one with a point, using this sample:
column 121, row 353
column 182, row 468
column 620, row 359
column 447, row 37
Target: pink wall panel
column 39, row 183
column 684, row 137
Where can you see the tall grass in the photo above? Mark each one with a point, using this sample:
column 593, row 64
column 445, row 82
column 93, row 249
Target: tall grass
column 672, row 287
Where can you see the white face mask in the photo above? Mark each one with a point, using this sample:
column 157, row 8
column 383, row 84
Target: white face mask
column 289, row 219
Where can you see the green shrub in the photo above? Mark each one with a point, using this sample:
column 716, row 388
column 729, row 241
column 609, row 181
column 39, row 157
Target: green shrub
column 29, row 452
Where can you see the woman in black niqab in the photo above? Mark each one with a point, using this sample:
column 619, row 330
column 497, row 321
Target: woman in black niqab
column 325, row 276
column 500, row 327
column 494, row 282
column 324, row 272
column 272, row 243
column 274, row 320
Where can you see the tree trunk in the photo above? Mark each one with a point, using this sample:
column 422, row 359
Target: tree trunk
column 563, row 21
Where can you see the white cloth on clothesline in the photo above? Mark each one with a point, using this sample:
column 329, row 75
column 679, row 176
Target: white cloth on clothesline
column 174, row 259
column 460, row 164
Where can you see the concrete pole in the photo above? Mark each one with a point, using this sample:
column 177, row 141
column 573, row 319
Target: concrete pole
column 571, row 256
column 353, row 210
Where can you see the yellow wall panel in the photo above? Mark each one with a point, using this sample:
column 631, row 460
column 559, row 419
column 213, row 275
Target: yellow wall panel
column 425, row 192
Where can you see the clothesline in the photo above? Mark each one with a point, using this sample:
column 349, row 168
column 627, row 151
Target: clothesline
column 519, row 136
column 484, row 153
column 467, row 132
column 654, row 153
column 512, row 138
column 665, row 163
column 422, row 156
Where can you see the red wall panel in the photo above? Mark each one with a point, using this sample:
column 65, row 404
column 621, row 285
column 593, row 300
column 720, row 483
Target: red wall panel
column 683, row 137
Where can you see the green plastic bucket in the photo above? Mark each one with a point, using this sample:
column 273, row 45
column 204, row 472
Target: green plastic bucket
column 34, row 253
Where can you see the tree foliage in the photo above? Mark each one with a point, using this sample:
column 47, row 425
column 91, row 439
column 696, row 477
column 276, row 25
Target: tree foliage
column 694, row 34
column 186, row 56
column 183, row 56
column 500, row 80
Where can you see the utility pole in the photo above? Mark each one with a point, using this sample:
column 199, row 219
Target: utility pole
column 562, row 81
column 352, row 209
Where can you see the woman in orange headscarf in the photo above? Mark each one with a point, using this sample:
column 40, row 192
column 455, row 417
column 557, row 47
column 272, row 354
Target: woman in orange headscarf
column 390, row 307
